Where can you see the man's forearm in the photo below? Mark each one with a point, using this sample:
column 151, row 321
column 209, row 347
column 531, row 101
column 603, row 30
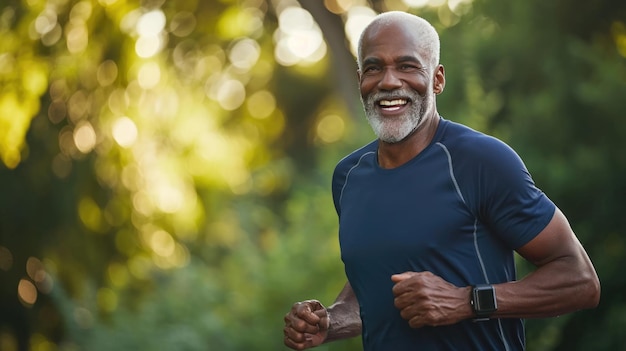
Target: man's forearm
column 557, row 288
column 345, row 320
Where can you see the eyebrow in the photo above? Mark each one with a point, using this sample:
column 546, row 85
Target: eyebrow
column 399, row 59
column 408, row 58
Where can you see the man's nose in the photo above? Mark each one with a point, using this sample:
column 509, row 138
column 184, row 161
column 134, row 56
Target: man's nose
column 390, row 80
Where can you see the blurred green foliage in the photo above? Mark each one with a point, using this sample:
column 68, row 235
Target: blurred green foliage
column 165, row 165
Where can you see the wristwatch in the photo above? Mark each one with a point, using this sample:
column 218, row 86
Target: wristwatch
column 483, row 301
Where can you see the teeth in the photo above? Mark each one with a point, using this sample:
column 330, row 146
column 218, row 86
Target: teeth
column 392, row 102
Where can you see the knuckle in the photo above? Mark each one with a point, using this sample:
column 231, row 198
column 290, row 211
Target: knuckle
column 298, row 325
column 288, row 317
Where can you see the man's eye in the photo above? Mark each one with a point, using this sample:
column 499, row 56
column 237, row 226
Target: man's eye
column 371, row 69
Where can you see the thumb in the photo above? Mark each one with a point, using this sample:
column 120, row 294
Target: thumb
column 396, row 278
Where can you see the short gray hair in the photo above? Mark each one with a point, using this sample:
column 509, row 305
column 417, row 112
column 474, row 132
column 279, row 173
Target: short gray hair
column 423, row 28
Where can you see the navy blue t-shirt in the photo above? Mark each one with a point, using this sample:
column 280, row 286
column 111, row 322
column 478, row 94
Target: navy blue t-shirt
column 458, row 210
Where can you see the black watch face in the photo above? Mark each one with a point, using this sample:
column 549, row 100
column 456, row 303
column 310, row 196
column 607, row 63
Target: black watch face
column 486, row 299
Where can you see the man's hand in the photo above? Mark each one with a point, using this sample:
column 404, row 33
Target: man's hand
column 426, row 299
column 306, row 325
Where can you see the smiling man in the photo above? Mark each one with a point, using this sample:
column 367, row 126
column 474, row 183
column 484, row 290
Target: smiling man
column 430, row 215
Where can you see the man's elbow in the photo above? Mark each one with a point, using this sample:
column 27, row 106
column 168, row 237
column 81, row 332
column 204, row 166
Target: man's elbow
column 591, row 292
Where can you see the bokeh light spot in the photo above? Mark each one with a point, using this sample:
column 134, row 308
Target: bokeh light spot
column 245, row 53
column 149, row 27
column 83, row 317
column 235, row 22
column 162, row 243
column 299, row 39
column 118, row 101
column 231, row 94
column 183, row 24
column 46, row 21
column 149, row 75
column 125, row 132
column 81, row 11
column 77, row 38
column 107, row 73
column 261, row 104
column 85, row 137
column 78, row 106
column 168, row 197
column 140, row 267
column 61, row 166
column 90, row 214
column 107, row 299
column 66, row 141
column 27, row 292
column 36, row 272
column 34, row 268
column 57, row 111
column 151, row 23
column 330, row 128
column 148, row 46
column 117, row 274
column 7, row 63
column 338, row 7
column 358, row 18
column 52, row 37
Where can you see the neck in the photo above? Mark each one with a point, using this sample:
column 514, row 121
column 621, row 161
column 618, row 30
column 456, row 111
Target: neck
column 392, row 155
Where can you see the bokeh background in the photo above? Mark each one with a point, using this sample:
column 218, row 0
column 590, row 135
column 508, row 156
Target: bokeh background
column 165, row 165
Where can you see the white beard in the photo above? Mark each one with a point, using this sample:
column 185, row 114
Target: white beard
column 396, row 129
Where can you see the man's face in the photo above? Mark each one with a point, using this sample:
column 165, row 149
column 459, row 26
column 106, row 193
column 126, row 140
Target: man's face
column 395, row 82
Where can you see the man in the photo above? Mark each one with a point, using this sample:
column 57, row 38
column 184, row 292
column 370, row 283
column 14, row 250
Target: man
column 430, row 215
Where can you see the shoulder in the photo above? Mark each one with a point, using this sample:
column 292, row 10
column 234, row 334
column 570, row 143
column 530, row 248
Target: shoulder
column 345, row 166
column 496, row 185
column 353, row 159
column 465, row 139
column 470, row 147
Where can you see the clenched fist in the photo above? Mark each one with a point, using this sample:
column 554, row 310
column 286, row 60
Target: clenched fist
column 306, row 325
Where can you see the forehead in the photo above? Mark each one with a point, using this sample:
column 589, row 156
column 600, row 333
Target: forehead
column 389, row 40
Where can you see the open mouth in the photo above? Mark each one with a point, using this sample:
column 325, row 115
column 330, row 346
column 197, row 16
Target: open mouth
column 392, row 105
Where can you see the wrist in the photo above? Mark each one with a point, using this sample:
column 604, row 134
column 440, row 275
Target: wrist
column 483, row 301
column 343, row 322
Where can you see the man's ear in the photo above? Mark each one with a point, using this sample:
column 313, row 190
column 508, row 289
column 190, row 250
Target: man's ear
column 439, row 80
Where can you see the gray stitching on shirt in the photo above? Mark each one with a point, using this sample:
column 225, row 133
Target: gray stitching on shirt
column 348, row 175
column 456, row 185
column 480, row 259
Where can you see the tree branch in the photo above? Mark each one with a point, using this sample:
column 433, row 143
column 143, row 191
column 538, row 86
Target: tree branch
column 343, row 62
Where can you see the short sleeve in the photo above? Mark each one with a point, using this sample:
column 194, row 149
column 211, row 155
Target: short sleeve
column 504, row 195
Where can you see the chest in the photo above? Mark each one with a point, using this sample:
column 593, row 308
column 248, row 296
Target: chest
column 404, row 215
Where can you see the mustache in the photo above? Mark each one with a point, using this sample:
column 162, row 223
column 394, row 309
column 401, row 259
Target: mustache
column 392, row 95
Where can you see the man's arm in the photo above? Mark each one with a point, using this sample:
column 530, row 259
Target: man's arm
column 310, row 324
column 564, row 281
column 345, row 319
